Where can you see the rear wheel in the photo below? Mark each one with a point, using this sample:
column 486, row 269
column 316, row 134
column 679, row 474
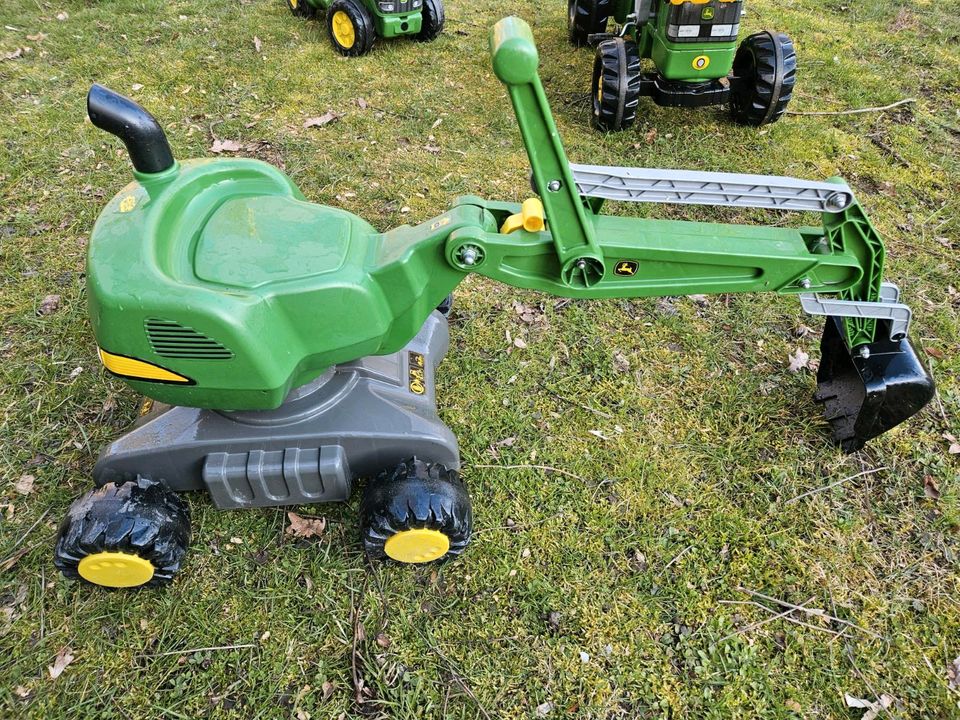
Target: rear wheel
column 616, row 85
column 127, row 535
column 416, row 513
column 301, row 8
column 764, row 73
column 433, row 19
column 351, row 28
column 585, row 18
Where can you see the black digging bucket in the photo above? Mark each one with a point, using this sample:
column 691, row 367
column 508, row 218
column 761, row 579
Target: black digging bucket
column 866, row 395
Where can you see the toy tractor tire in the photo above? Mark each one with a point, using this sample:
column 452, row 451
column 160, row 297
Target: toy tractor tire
column 301, row 8
column 616, row 85
column 415, row 513
column 351, row 28
column 433, row 20
column 764, row 73
column 124, row 535
column 586, row 18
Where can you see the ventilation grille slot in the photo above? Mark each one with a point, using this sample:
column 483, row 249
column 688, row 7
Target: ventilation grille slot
column 173, row 340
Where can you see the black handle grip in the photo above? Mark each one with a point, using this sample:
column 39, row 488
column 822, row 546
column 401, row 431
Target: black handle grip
column 141, row 133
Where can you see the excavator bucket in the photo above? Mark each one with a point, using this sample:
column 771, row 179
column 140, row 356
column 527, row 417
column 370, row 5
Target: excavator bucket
column 868, row 391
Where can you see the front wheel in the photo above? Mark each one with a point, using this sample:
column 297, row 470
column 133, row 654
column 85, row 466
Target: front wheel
column 351, row 28
column 764, row 73
column 616, row 85
column 416, row 513
column 586, row 18
column 433, row 19
column 124, row 535
column 301, row 8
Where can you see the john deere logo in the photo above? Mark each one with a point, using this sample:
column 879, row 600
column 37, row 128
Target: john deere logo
column 700, row 62
column 416, row 376
column 626, row 268
column 708, row 13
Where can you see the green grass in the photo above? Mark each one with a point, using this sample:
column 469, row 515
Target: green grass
column 707, row 436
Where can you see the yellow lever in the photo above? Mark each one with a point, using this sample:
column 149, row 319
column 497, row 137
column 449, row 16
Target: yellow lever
column 530, row 218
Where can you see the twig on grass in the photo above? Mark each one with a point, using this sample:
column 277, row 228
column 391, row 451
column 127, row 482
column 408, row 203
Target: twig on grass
column 455, row 674
column 190, row 651
column 754, row 603
column 834, row 484
column 810, row 611
column 760, row 623
column 532, row 467
column 857, row 111
column 581, row 405
column 677, row 557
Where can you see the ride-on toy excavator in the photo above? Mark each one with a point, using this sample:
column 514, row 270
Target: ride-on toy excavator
column 287, row 348
column 692, row 44
column 354, row 25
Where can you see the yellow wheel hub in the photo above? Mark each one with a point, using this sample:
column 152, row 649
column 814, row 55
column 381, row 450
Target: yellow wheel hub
column 293, row 3
column 115, row 569
column 420, row 545
column 343, row 30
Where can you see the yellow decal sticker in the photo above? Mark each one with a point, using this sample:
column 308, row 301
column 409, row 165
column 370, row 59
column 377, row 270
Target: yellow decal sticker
column 701, row 62
column 417, row 378
column 128, row 203
column 626, row 268
column 440, row 223
column 146, row 406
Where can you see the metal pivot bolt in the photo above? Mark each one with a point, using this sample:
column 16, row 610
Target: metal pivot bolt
column 805, row 283
column 469, row 255
column 864, row 352
column 554, row 185
column 838, row 201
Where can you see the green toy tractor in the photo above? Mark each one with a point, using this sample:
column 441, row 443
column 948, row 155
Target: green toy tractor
column 288, row 348
column 692, row 44
column 354, row 25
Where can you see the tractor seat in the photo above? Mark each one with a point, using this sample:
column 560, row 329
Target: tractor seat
column 251, row 242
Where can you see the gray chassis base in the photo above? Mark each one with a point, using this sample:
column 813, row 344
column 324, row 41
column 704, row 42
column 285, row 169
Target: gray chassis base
column 356, row 419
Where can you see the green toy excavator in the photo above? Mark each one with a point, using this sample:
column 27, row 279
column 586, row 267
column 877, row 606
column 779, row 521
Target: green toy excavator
column 354, row 25
column 287, row 348
column 692, row 44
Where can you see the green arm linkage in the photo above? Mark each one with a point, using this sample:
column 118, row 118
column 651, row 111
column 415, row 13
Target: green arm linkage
column 584, row 254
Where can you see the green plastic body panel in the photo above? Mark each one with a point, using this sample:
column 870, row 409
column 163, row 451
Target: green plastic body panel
column 220, row 271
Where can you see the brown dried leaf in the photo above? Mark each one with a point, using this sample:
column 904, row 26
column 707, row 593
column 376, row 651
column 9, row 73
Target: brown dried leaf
column 930, row 487
column 325, row 119
column 621, row 363
column 21, row 692
column 362, row 104
column 49, row 305
column 60, row 662
column 305, row 527
column 650, row 136
column 24, row 485
column 327, row 688
column 12, row 55
column 222, row 146
column 39, row 37
column 798, row 361
column 257, row 44
column 953, row 674
column 432, row 149
column 383, row 641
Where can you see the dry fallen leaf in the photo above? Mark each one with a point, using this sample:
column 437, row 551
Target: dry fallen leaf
column 362, row 104
column 39, row 37
column 520, row 343
column 794, row 706
column 21, row 692
column 325, row 119
column 221, row 146
column 305, row 527
column 63, row 15
column 954, row 448
column 930, row 487
column 383, row 641
column 327, row 689
column 257, row 44
column 872, row 708
column 650, row 136
column 953, row 674
column 12, row 55
column 49, row 305
column 60, row 662
column 798, row 361
column 136, row 86
column 24, row 485
column 620, row 362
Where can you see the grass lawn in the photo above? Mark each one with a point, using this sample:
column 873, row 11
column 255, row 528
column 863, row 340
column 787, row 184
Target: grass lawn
column 623, row 585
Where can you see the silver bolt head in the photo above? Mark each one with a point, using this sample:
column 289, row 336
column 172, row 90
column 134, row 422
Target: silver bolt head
column 553, row 185
column 468, row 256
column 805, row 283
column 864, row 352
column 582, row 264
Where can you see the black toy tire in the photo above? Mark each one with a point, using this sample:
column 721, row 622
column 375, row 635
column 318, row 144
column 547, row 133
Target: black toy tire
column 764, row 73
column 363, row 28
column 615, row 91
column 433, row 20
column 446, row 307
column 585, row 18
column 301, row 8
column 140, row 517
column 411, row 496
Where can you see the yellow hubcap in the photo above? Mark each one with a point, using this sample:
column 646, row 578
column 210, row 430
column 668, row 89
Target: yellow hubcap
column 293, row 4
column 600, row 88
column 115, row 569
column 343, row 30
column 420, row 545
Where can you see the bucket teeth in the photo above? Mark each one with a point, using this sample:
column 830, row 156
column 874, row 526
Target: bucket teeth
column 865, row 395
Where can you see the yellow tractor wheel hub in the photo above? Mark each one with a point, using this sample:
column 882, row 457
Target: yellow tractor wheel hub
column 420, row 545
column 115, row 569
column 343, row 30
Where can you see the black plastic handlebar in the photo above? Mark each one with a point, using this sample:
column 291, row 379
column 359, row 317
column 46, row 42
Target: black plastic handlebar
column 141, row 133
